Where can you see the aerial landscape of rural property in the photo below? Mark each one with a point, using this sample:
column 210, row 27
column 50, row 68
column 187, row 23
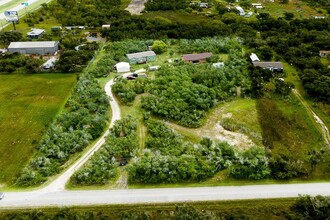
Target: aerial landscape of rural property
column 164, row 109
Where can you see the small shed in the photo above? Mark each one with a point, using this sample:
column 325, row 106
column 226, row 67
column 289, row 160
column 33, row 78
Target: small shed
column 141, row 57
column 35, row 33
column 218, row 65
column 196, row 58
column 122, row 67
column 106, row 26
column 153, row 68
column 254, row 57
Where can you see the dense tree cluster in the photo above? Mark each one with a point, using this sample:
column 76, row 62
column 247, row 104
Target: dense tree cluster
column 10, row 36
column 82, row 121
column 168, row 159
column 17, row 63
column 121, row 145
column 127, row 90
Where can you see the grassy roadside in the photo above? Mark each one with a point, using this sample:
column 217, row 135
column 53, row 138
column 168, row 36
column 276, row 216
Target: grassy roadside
column 255, row 209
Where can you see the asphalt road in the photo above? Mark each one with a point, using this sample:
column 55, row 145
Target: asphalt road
column 163, row 195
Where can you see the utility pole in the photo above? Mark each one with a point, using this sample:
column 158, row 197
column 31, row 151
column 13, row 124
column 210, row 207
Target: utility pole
column 14, row 25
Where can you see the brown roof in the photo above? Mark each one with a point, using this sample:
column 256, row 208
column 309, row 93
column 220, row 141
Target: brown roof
column 277, row 65
column 196, row 57
column 325, row 51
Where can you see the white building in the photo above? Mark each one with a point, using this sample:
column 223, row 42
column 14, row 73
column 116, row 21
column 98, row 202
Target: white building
column 106, row 26
column 49, row 64
column 254, row 57
column 35, row 33
column 218, row 65
column 122, row 67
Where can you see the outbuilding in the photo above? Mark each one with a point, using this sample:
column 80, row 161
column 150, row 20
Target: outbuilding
column 106, row 26
column 324, row 53
column 254, row 57
column 35, row 33
column 196, row 58
column 122, row 67
column 35, row 47
column 141, row 57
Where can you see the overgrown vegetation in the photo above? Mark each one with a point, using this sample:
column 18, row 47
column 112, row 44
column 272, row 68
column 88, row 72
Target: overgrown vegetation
column 120, row 146
column 169, row 159
column 17, row 63
column 82, row 121
column 305, row 207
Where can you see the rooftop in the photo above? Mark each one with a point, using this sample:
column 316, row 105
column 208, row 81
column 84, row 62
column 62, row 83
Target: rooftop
column 32, row 44
column 254, row 57
column 277, row 65
column 35, row 31
column 141, row 54
column 196, row 57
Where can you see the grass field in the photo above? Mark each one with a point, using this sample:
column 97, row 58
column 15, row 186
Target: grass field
column 28, row 104
column 177, row 16
column 251, row 209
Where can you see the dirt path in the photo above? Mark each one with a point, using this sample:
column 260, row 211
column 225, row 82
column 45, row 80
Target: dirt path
column 136, row 7
column 122, row 180
column 324, row 128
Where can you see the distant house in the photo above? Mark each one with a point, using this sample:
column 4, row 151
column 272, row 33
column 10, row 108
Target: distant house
column 122, row 67
column 106, row 26
column 35, row 47
column 257, row 5
column 196, row 58
column 272, row 66
column 254, row 57
column 49, row 64
column 35, row 33
column 141, row 57
column 324, row 53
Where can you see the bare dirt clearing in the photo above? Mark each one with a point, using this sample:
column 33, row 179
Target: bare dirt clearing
column 136, row 7
column 213, row 129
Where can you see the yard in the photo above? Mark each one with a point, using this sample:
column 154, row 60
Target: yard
column 28, row 104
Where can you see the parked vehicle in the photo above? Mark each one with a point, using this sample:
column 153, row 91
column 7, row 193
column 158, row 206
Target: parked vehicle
column 2, row 195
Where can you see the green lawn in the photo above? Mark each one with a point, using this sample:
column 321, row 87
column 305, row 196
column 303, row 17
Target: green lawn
column 177, row 16
column 28, row 104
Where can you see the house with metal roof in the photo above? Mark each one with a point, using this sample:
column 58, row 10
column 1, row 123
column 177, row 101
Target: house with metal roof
column 34, row 47
column 49, row 64
column 272, row 66
column 35, row 33
column 141, row 57
column 196, row 58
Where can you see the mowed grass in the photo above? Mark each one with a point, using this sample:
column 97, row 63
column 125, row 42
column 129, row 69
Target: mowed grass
column 177, row 16
column 28, row 104
column 298, row 8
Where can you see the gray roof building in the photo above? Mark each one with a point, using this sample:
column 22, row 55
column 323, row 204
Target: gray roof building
column 272, row 66
column 140, row 54
column 35, row 33
column 34, row 47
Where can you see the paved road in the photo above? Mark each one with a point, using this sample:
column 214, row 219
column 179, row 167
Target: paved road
column 135, row 196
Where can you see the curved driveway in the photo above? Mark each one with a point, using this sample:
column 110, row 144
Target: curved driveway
column 55, row 194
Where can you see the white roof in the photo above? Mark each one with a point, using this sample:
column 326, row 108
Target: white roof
column 122, row 64
column 35, row 31
column 254, row 57
column 240, row 9
column 32, row 44
column 218, row 65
